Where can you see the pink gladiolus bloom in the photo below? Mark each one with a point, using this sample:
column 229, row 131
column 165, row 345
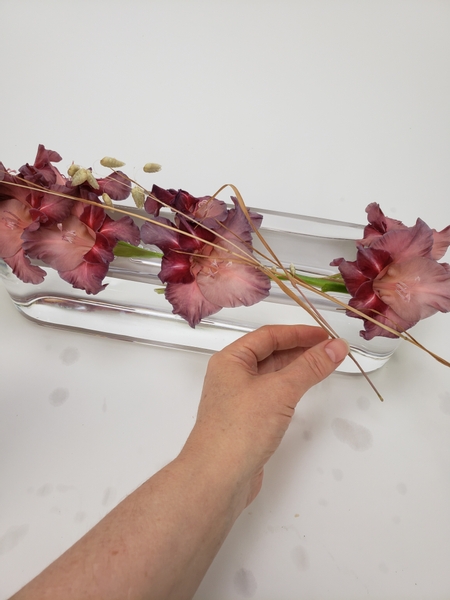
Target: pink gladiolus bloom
column 80, row 248
column 396, row 278
column 202, row 278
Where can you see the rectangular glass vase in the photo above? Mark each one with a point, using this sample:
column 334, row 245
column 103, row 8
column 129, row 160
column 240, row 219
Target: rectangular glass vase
column 131, row 309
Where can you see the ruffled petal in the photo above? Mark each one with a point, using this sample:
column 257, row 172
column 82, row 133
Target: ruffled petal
column 23, row 269
column 371, row 262
column 93, row 216
column 117, row 186
column 210, row 212
column 44, row 157
column 367, row 302
column 61, row 246
column 42, row 172
column 50, row 206
column 236, row 233
column 188, row 301
column 87, row 276
column 379, row 224
column 230, row 284
column 121, row 229
column 441, row 242
column 101, row 251
column 159, row 234
column 403, row 244
column 176, row 268
column 14, row 218
column 389, row 318
column 165, row 197
column 415, row 289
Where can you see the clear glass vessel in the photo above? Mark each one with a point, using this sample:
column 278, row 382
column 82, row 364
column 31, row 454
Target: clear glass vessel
column 131, row 309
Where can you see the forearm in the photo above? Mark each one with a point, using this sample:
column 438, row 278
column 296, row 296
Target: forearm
column 157, row 544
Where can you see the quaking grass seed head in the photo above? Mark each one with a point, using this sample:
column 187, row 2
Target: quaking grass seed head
column 151, row 167
column 112, row 163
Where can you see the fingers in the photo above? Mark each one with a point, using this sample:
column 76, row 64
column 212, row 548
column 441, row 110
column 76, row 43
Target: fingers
column 274, row 338
column 315, row 364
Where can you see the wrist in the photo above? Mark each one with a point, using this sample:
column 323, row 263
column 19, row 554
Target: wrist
column 221, row 468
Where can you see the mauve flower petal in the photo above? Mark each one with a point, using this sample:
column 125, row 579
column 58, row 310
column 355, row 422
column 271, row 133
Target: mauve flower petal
column 441, row 242
column 8, row 191
column 415, row 289
column 121, row 229
column 101, row 251
column 117, row 186
column 403, row 244
column 210, row 212
column 161, row 236
column 371, row 262
column 86, row 276
column 3, row 171
column 60, row 247
column 352, row 274
column 389, row 318
column 176, row 268
column 14, row 218
column 237, row 232
column 166, row 196
column 93, row 216
column 152, row 206
column 50, row 206
column 183, row 201
column 378, row 224
column 188, row 301
column 231, row 284
column 42, row 172
column 23, row 269
column 367, row 301
column 44, row 157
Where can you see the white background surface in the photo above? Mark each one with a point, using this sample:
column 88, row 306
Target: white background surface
column 310, row 107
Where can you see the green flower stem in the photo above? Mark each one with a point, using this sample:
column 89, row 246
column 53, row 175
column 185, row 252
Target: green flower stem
column 333, row 283
column 129, row 251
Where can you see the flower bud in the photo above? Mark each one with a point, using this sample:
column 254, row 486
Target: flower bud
column 138, row 196
column 112, row 163
column 152, row 168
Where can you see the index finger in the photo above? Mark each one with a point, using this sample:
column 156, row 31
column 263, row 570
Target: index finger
column 268, row 339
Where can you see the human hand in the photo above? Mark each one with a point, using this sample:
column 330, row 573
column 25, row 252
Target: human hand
column 250, row 393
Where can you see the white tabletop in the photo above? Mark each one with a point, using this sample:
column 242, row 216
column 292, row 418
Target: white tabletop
column 310, row 107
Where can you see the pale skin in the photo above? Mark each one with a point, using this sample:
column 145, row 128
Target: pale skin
column 158, row 543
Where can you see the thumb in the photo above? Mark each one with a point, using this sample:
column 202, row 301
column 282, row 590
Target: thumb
column 319, row 361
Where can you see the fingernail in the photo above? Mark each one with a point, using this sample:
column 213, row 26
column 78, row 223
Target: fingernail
column 337, row 350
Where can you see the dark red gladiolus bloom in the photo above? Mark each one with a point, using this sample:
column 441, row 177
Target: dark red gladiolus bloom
column 207, row 272
column 396, row 278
